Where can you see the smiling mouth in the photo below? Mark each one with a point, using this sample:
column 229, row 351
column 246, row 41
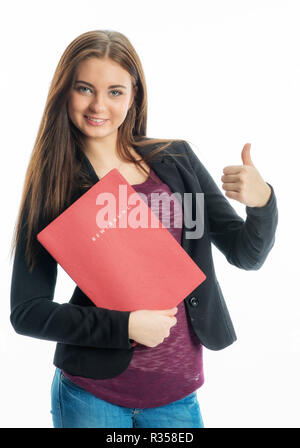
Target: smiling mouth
column 97, row 120
column 94, row 122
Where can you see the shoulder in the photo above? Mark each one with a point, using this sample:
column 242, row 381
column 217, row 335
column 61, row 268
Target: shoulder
column 176, row 147
column 180, row 151
column 190, row 156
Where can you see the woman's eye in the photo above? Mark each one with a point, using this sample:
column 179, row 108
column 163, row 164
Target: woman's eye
column 118, row 91
column 83, row 87
column 112, row 91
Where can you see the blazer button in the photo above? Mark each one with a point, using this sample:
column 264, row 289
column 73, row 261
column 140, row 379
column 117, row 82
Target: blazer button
column 194, row 301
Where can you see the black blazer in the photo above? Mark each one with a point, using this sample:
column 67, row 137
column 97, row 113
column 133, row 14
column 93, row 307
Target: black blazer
column 93, row 342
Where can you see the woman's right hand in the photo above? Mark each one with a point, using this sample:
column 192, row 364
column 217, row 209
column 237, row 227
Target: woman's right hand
column 151, row 327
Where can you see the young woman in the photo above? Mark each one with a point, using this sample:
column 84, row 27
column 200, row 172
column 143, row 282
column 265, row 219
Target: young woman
column 95, row 120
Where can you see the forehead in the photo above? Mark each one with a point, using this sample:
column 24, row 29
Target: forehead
column 102, row 71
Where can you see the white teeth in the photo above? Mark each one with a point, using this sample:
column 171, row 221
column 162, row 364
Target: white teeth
column 94, row 119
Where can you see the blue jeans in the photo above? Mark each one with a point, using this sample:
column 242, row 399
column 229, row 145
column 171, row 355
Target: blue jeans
column 74, row 407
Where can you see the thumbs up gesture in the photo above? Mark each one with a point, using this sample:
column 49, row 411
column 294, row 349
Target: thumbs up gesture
column 244, row 183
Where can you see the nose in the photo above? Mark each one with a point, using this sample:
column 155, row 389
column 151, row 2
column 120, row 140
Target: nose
column 98, row 103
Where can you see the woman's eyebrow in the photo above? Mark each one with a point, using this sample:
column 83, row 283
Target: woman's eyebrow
column 110, row 87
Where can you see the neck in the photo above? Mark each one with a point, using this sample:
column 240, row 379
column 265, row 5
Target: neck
column 102, row 152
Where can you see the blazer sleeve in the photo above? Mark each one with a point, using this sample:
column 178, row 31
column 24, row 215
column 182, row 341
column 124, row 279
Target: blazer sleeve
column 35, row 314
column 245, row 244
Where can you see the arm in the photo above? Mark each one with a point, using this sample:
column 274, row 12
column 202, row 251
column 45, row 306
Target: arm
column 33, row 312
column 245, row 244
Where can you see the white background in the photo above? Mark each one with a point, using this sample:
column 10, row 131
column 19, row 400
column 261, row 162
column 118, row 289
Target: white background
column 219, row 74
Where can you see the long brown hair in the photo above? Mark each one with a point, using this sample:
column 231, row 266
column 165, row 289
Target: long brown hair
column 55, row 169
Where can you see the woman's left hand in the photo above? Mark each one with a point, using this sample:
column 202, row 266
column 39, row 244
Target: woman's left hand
column 244, row 183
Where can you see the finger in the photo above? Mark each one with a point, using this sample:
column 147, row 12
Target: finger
column 230, row 178
column 233, row 169
column 234, row 186
column 171, row 311
column 233, row 195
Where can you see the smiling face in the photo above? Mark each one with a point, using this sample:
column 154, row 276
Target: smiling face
column 103, row 90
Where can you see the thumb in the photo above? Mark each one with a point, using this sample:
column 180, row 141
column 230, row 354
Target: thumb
column 170, row 311
column 246, row 158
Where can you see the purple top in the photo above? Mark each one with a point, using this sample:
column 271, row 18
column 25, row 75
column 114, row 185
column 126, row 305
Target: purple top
column 159, row 375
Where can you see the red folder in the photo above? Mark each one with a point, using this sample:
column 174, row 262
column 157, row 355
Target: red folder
column 119, row 265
